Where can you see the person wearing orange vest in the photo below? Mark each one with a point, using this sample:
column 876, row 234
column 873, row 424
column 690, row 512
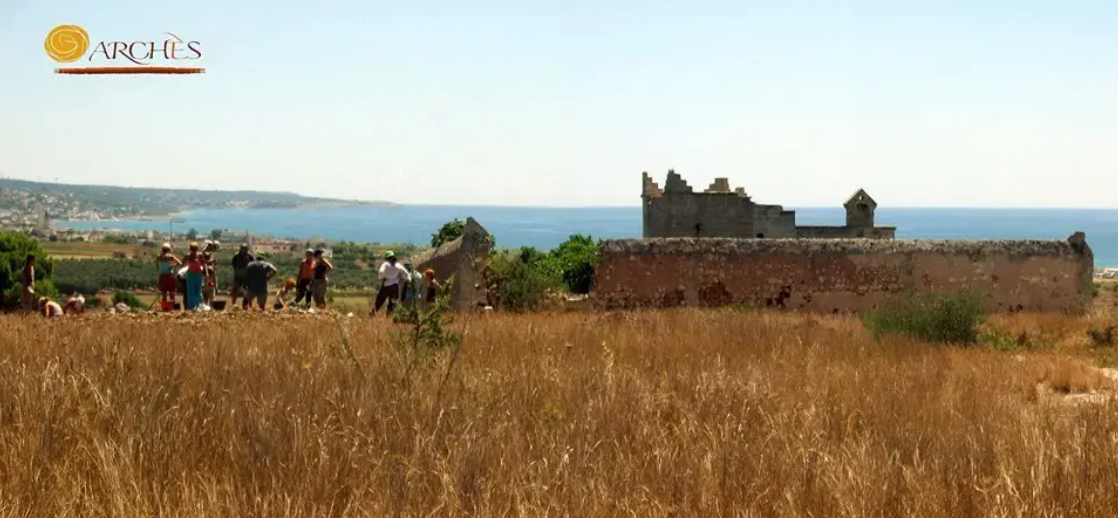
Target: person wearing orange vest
column 306, row 275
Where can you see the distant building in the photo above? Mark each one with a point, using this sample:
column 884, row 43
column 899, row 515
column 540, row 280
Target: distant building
column 42, row 224
column 678, row 211
column 270, row 247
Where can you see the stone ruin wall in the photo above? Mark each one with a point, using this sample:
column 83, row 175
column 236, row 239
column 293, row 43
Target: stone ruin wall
column 465, row 258
column 823, row 232
column 841, row 275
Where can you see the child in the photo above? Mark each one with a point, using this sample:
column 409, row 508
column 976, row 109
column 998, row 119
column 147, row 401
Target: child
column 432, row 286
column 283, row 294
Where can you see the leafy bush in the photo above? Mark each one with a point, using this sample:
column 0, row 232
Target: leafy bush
column 937, row 317
column 14, row 249
column 129, row 299
column 450, row 231
column 518, row 281
column 574, row 261
column 43, row 288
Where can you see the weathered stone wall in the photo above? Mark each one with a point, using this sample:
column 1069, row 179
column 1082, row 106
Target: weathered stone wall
column 718, row 215
column 823, row 232
column 772, row 221
column 842, row 274
column 465, row 258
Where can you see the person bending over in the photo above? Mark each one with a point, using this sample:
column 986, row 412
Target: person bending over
column 257, row 275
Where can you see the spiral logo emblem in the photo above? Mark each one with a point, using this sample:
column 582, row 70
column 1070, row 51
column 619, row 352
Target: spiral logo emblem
column 67, row 43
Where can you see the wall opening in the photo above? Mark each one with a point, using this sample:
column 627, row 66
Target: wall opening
column 760, row 235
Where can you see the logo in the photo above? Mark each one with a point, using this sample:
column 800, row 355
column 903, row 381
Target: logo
column 71, row 44
column 67, row 43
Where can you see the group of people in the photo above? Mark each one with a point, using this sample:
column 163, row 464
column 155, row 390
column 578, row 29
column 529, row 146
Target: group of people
column 252, row 274
column 195, row 273
column 75, row 304
column 404, row 284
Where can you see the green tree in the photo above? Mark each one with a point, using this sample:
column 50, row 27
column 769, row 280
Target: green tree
column 574, row 262
column 14, row 249
column 215, row 234
column 450, row 231
column 191, row 234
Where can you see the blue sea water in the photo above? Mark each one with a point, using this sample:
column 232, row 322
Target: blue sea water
column 547, row 227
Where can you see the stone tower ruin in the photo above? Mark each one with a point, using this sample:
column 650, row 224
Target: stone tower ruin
column 721, row 211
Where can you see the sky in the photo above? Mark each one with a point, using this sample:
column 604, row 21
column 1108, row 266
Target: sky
column 564, row 103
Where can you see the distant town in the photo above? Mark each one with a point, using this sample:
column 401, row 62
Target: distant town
column 25, row 204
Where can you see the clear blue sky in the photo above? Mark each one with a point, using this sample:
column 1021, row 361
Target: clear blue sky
column 564, row 103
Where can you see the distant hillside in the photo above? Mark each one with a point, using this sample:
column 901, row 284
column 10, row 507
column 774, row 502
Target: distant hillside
column 67, row 201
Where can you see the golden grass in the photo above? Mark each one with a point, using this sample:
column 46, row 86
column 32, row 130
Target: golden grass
column 674, row 413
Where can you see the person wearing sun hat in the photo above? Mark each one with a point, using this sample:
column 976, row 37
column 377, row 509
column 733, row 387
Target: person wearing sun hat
column 391, row 276
column 168, row 282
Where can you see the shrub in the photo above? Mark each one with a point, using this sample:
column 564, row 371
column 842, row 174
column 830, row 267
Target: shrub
column 574, row 261
column 129, row 299
column 516, row 283
column 44, row 288
column 1000, row 341
column 450, row 231
column 937, row 317
column 14, row 249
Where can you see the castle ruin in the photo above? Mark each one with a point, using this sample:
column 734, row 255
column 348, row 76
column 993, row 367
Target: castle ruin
column 678, row 211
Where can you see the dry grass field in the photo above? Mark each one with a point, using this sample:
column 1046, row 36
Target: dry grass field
column 672, row 413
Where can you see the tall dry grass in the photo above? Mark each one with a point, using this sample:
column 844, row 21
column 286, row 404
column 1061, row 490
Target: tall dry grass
column 677, row 413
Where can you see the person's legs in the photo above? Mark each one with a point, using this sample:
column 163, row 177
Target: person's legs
column 382, row 294
column 28, row 299
column 319, row 288
column 261, row 299
column 235, row 291
column 302, row 289
column 193, row 290
column 393, row 293
column 246, row 302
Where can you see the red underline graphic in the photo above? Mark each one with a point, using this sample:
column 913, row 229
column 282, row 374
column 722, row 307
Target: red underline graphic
column 130, row 70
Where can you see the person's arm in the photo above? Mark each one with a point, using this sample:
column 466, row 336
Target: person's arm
column 272, row 271
column 329, row 265
column 177, row 261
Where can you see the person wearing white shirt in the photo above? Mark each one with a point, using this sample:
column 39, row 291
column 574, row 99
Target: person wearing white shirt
column 391, row 276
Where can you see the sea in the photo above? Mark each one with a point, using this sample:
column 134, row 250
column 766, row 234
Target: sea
column 544, row 228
